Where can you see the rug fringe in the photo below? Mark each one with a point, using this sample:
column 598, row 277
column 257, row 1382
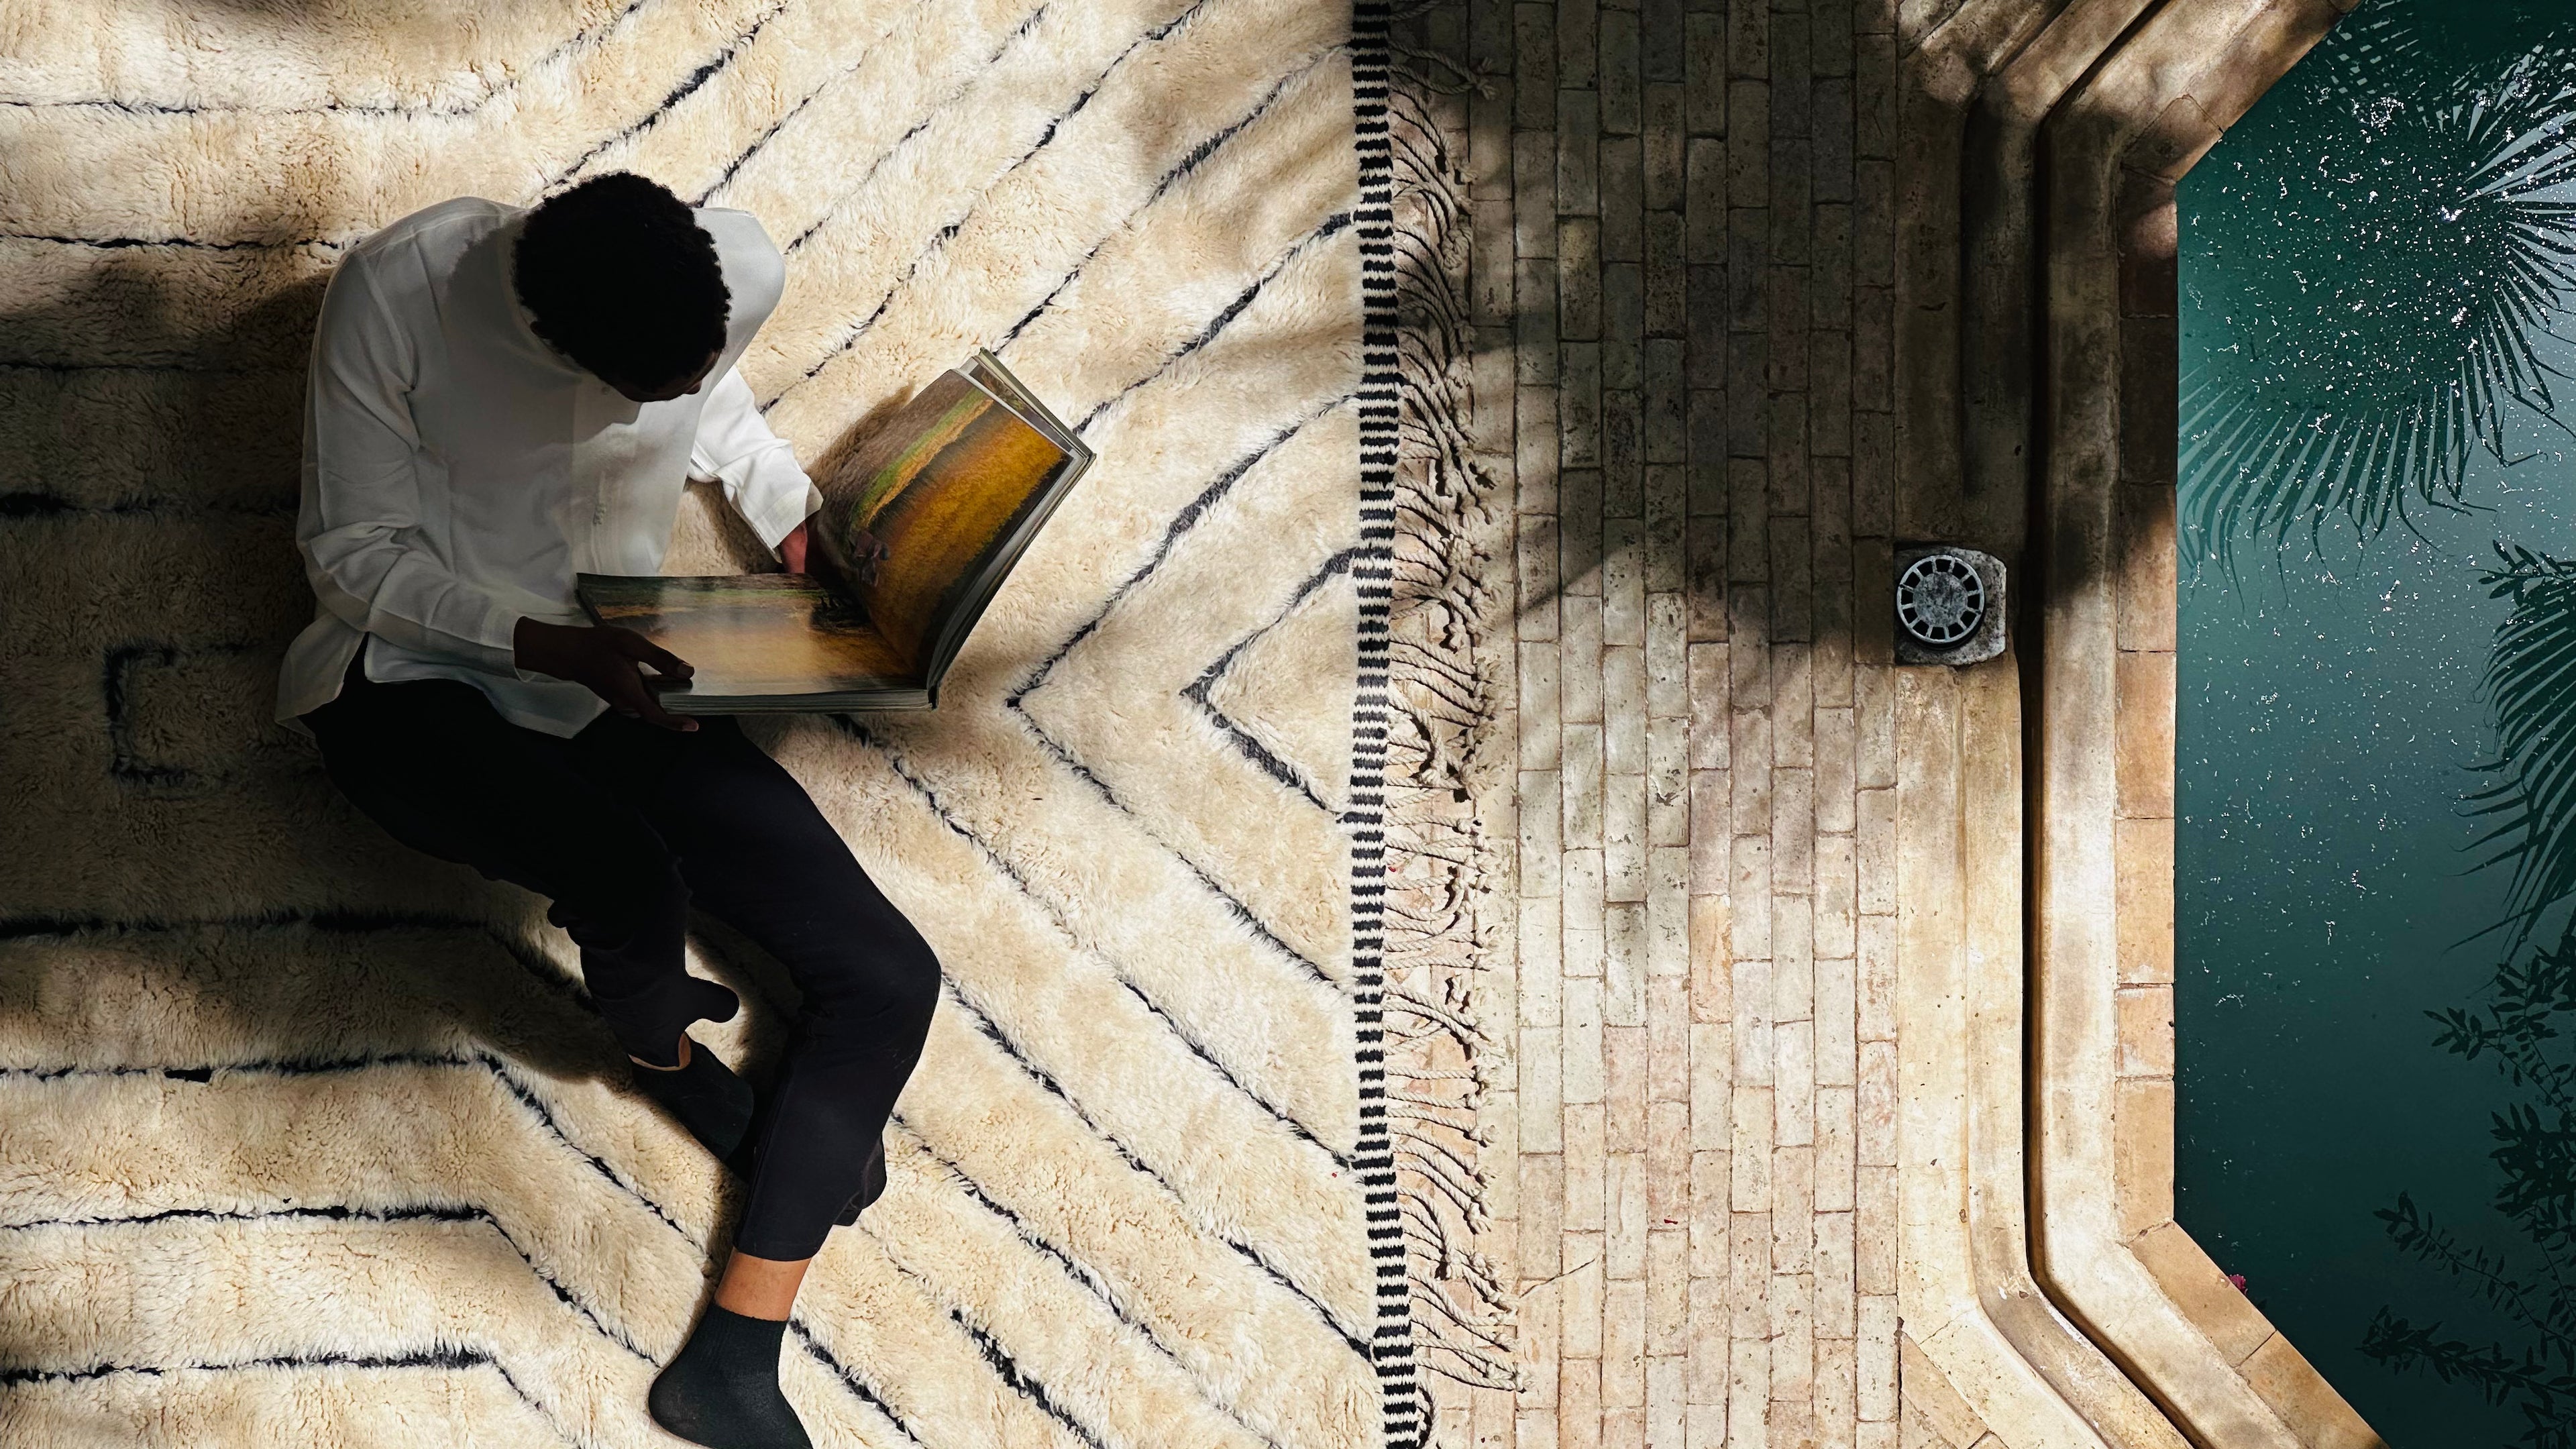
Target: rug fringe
column 1442, row 711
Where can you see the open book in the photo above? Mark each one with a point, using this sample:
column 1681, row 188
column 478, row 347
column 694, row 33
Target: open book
column 954, row 486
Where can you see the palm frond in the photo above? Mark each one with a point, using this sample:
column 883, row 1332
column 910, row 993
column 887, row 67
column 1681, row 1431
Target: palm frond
column 2531, row 691
column 2387, row 330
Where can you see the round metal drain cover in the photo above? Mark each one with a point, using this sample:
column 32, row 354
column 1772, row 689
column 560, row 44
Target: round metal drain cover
column 1940, row 600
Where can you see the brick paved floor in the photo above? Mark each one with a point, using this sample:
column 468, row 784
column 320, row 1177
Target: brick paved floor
column 1681, row 285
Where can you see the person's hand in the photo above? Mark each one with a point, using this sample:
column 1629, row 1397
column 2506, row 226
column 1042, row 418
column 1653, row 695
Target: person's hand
column 603, row 660
column 791, row 549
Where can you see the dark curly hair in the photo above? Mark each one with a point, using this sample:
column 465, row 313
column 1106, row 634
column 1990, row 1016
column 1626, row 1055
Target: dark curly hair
column 617, row 275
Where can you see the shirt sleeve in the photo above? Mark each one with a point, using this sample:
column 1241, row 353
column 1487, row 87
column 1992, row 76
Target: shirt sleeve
column 358, row 525
column 758, row 469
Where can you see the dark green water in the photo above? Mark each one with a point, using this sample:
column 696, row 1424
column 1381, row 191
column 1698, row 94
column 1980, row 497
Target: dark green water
column 2334, row 257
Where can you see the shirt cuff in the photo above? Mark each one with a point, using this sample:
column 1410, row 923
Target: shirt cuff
column 782, row 511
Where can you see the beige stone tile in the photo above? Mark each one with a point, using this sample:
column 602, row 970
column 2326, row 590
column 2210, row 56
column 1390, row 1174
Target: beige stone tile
column 1542, row 962
column 1837, row 1020
column 1539, row 724
column 1586, row 1078
column 1748, row 1397
column 1668, row 912
column 1623, row 1344
column 1749, row 760
column 1712, row 1085
column 1582, row 896
column 1668, row 674
column 1667, row 1291
column 1623, row 1071
column 1793, row 959
column 1874, row 1004
column 1542, row 840
column 2143, row 854
column 2145, row 742
column 2146, row 1031
column 1751, row 1161
column 1793, row 1209
column 1542, row 1189
column 1710, row 713
column 1667, row 1159
column 2198, row 1287
column 1874, row 1238
column 1712, row 1217
column 1539, row 1345
column 1753, row 1043
column 1623, row 969
column 1712, row 1314
column 1579, row 1297
column 1712, row 988
column 1793, row 831
column 2142, row 1144
column 1711, row 843
column 2304, row 1400
column 1874, row 853
column 1542, row 1088
column 2146, row 543
column 1667, row 782
column 1667, row 1402
column 1837, row 1149
column 1875, row 1104
column 1582, row 799
column 1837, row 902
column 1668, row 1023
column 1793, row 1077
column 1578, row 1403
column 1837, row 1388
column 1837, row 1302
column 1587, row 1186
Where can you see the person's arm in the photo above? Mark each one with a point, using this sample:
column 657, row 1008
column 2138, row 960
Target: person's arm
column 756, row 466
column 361, row 508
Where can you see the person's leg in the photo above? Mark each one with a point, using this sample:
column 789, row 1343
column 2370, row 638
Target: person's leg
column 432, row 763
column 761, row 857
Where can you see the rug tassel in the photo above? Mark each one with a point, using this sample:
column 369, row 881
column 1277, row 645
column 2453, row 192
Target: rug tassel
column 1442, row 712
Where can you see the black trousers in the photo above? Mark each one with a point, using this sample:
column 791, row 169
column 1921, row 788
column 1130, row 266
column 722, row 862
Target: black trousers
column 622, row 827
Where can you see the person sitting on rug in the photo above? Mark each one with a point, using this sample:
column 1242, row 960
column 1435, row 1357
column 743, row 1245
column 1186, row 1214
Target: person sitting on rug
column 503, row 397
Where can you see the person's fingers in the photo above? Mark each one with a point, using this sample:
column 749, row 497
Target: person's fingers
column 628, row 692
column 636, row 646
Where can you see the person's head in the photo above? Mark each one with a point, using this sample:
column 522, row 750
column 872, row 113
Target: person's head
column 618, row 276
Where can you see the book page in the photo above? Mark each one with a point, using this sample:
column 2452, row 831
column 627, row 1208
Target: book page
column 942, row 485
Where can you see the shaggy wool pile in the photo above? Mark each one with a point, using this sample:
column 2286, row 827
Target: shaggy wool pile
column 306, row 1140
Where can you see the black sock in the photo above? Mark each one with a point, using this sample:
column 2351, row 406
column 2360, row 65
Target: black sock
column 721, row 1389
column 713, row 1103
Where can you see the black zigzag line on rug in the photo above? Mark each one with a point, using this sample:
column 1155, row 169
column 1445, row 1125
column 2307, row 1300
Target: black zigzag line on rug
column 342, row 1212
column 1404, row 1406
column 993, row 1032
column 940, row 239
column 1020, row 1382
column 994, row 858
column 858, row 1387
column 545, row 1117
column 1197, row 690
column 687, row 87
column 787, row 117
column 578, row 40
column 1181, row 524
column 1085, row 1275
column 833, row 209
column 446, row 1357
column 1188, row 165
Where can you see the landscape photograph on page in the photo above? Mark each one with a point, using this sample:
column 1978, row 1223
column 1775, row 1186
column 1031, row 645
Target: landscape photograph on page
column 952, row 486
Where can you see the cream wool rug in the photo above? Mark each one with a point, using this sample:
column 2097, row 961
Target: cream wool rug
column 305, row 1140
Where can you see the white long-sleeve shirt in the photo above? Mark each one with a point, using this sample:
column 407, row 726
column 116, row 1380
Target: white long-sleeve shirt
column 458, row 471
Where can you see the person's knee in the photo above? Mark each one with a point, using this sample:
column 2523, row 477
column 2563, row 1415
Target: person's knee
column 894, row 982
column 610, row 903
